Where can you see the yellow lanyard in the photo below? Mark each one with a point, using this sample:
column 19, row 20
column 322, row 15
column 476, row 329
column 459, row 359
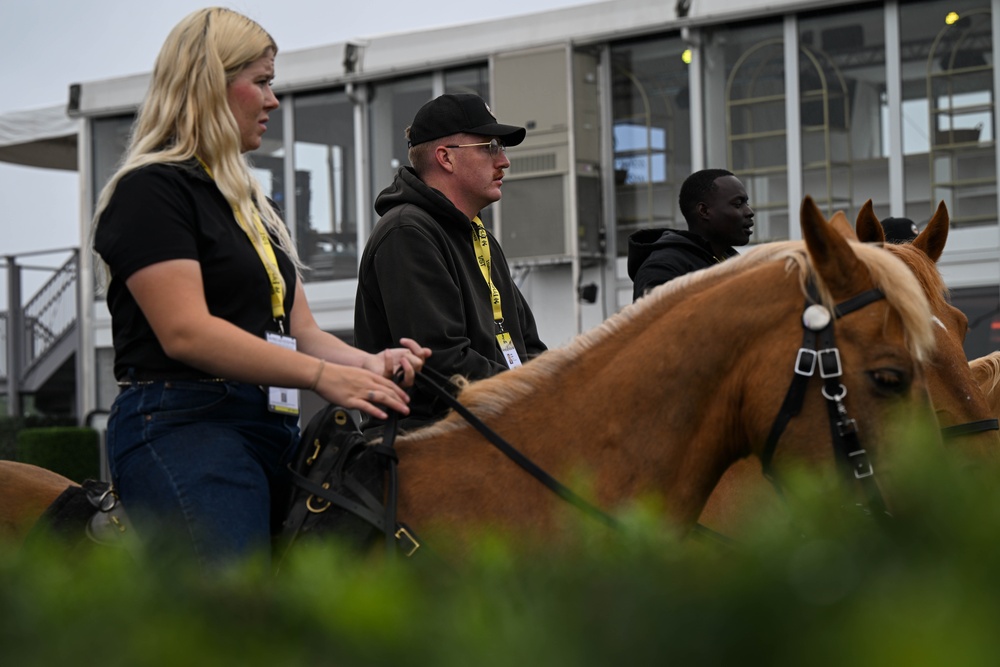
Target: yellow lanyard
column 267, row 257
column 481, row 244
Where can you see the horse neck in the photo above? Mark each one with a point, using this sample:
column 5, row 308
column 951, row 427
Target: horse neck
column 654, row 407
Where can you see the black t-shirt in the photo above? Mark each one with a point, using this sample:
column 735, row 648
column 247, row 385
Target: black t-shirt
column 175, row 211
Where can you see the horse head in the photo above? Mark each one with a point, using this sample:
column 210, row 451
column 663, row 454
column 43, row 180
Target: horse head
column 860, row 364
column 966, row 417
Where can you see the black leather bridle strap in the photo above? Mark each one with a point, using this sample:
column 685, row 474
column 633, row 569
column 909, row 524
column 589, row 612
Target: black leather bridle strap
column 850, row 455
column 819, row 352
column 508, row 450
column 372, row 513
column 857, row 302
column 794, row 397
column 970, row 428
column 395, row 532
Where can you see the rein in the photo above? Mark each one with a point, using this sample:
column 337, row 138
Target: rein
column 387, row 448
column 970, row 428
column 819, row 352
column 509, row 450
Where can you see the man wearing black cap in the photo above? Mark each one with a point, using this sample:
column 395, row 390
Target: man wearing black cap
column 430, row 271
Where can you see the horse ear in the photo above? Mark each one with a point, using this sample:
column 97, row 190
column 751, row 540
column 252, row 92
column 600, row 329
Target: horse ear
column 831, row 253
column 840, row 223
column 932, row 239
column 868, row 226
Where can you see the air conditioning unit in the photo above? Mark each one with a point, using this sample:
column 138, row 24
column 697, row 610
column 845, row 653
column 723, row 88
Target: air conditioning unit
column 551, row 206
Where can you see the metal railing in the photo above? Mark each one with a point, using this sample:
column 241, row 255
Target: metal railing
column 43, row 320
column 50, row 313
column 3, row 345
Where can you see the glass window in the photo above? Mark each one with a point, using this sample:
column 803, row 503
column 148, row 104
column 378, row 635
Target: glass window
column 745, row 96
column 326, row 220
column 948, row 133
column 650, row 134
column 268, row 162
column 392, row 107
column 468, row 80
column 842, row 84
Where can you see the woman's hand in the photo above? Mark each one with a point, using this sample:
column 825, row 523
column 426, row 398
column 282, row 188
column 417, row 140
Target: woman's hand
column 361, row 389
column 371, row 387
column 410, row 359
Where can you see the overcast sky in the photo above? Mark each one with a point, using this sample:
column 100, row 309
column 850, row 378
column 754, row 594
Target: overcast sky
column 46, row 45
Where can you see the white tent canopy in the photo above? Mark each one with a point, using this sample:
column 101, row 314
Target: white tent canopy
column 45, row 138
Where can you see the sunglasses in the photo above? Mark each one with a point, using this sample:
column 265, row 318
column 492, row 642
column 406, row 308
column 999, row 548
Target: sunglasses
column 494, row 146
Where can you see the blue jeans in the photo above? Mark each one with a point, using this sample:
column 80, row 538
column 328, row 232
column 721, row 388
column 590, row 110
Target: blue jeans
column 201, row 467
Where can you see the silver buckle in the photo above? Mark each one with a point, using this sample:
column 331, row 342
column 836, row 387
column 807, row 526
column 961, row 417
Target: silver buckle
column 826, row 354
column 805, row 362
column 865, row 463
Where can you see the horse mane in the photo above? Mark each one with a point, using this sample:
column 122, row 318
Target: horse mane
column 926, row 272
column 492, row 396
column 989, row 367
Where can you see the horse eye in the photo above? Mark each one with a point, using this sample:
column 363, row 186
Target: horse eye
column 889, row 381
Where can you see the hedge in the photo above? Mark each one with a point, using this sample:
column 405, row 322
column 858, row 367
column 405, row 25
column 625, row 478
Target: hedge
column 70, row 451
column 10, row 426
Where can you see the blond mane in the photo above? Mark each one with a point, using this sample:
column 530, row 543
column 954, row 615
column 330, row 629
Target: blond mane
column 889, row 273
column 989, row 367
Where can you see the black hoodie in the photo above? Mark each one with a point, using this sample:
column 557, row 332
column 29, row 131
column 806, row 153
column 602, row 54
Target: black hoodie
column 420, row 278
column 658, row 255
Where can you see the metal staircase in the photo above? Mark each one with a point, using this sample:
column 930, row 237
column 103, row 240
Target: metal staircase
column 38, row 341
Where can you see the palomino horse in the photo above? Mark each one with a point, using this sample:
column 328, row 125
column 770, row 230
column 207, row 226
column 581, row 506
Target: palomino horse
column 959, row 403
column 661, row 398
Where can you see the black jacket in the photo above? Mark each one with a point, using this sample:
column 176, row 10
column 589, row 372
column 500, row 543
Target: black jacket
column 658, row 255
column 419, row 278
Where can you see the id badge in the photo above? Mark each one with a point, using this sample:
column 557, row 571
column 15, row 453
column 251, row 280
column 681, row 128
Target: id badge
column 284, row 400
column 507, row 347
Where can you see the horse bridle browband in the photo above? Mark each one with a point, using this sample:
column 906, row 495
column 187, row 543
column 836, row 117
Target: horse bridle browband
column 819, row 352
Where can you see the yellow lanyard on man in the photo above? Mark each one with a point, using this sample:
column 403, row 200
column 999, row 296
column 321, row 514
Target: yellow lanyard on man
column 481, row 244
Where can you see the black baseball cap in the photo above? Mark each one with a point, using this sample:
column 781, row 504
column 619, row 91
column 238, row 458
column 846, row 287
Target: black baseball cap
column 460, row 113
column 899, row 230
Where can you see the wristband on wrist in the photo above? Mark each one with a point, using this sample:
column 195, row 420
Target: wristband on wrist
column 319, row 374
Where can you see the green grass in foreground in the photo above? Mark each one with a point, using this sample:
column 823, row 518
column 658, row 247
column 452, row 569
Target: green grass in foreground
column 835, row 589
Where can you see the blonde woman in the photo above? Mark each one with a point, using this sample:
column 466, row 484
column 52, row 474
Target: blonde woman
column 212, row 332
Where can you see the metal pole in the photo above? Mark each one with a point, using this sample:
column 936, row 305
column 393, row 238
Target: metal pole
column 15, row 336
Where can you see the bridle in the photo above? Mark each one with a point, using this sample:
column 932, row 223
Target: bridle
column 819, row 352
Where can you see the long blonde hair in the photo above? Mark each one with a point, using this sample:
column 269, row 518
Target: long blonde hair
column 186, row 114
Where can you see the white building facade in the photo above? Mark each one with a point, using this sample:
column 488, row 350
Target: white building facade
column 844, row 101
